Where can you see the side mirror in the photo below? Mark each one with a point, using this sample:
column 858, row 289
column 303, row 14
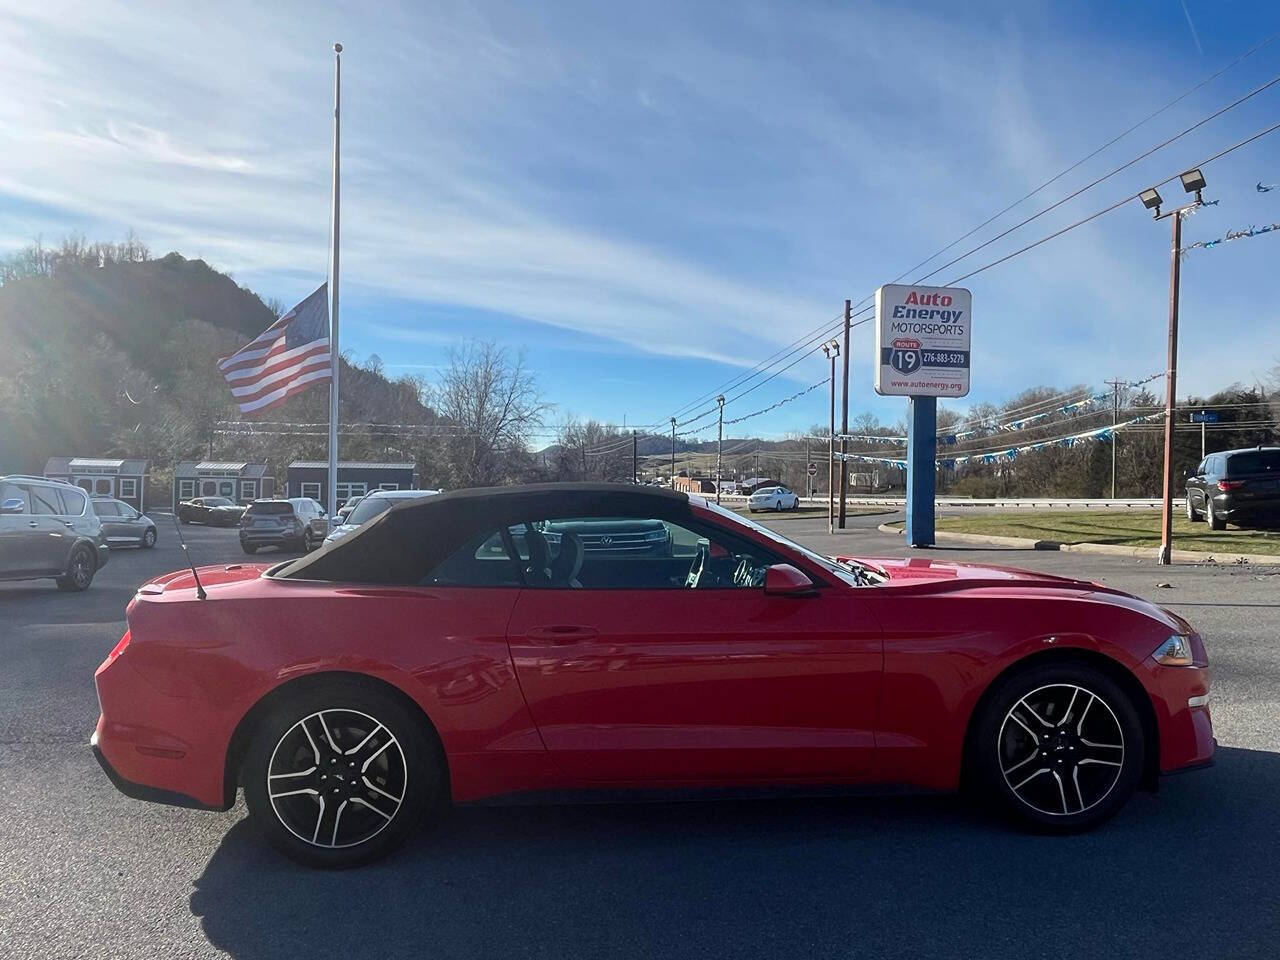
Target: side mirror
column 13, row 505
column 784, row 580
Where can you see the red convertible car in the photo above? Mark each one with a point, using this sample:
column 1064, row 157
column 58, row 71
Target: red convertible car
column 449, row 651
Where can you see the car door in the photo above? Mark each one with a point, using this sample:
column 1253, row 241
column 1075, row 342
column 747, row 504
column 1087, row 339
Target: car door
column 49, row 540
column 17, row 532
column 132, row 526
column 635, row 678
column 113, row 528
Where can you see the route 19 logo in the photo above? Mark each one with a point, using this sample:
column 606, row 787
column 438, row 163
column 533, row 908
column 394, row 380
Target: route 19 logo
column 905, row 356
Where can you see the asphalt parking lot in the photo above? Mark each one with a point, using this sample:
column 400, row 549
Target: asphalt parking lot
column 1191, row 871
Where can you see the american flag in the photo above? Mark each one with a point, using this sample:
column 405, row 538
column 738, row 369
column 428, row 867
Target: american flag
column 289, row 356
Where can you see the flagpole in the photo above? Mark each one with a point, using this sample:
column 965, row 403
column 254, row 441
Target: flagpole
column 333, row 504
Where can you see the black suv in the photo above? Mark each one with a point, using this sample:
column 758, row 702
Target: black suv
column 1240, row 486
column 49, row 529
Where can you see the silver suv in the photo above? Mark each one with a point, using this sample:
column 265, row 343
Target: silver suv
column 48, row 529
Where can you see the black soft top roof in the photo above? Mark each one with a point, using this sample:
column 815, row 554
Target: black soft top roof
column 409, row 540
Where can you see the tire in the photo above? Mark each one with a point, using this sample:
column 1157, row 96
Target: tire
column 249, row 548
column 149, row 538
column 1215, row 522
column 80, row 570
column 308, row 541
column 409, row 780
column 1192, row 516
column 1069, row 735
column 182, row 518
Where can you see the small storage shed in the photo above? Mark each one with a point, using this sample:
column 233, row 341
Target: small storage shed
column 123, row 479
column 310, row 478
column 241, row 482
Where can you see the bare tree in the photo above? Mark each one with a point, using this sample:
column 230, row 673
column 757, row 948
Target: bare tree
column 492, row 401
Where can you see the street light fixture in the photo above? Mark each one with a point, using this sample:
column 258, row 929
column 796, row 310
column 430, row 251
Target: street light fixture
column 1192, row 182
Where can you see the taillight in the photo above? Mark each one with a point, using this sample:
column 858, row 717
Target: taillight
column 1230, row 484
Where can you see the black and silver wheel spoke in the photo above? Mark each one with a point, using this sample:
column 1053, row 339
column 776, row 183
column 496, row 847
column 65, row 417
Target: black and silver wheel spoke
column 336, row 778
column 1061, row 749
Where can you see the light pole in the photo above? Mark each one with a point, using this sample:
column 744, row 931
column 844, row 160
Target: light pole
column 673, row 453
column 844, row 413
column 1192, row 182
column 719, row 443
column 832, row 350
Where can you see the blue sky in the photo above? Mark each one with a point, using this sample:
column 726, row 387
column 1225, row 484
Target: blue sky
column 649, row 198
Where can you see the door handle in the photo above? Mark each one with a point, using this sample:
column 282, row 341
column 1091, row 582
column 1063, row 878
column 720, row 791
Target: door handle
column 69, row 523
column 561, row 633
column 32, row 523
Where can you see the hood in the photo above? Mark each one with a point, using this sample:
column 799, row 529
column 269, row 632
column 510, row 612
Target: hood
column 912, row 570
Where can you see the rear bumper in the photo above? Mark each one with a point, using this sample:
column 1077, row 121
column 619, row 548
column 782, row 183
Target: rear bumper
column 140, row 791
column 167, row 747
column 266, row 538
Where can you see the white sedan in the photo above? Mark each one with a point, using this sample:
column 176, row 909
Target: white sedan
column 773, row 498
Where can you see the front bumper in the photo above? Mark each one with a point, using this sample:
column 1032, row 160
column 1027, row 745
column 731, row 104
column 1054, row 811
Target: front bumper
column 104, row 554
column 1180, row 699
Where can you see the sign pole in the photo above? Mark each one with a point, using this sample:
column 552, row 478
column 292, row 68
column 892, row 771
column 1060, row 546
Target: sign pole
column 844, row 412
column 922, row 451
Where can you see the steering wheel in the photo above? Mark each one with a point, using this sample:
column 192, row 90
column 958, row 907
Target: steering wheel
column 699, row 565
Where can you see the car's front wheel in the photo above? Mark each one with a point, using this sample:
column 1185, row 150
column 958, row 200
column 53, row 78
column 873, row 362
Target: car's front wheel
column 149, row 538
column 1192, row 516
column 341, row 774
column 1060, row 746
column 249, row 548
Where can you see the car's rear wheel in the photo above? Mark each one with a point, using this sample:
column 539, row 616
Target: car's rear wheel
column 340, row 774
column 1060, row 746
column 1215, row 522
column 149, row 538
column 80, row 570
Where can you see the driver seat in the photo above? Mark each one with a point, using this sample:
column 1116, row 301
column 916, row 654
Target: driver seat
column 568, row 563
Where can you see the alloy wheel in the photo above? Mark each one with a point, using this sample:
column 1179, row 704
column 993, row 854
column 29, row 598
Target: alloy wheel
column 337, row 778
column 81, row 568
column 1061, row 749
column 149, row 538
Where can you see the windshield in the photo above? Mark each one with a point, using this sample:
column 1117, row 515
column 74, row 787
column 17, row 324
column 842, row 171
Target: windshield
column 1255, row 461
column 366, row 510
column 854, row 574
column 271, row 508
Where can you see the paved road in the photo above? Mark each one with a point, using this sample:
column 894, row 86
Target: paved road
column 1192, row 871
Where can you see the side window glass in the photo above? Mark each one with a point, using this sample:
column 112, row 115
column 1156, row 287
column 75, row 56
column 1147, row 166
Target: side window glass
column 44, row 500
column 481, row 562
column 12, row 491
column 73, row 502
column 638, row 553
column 105, row 508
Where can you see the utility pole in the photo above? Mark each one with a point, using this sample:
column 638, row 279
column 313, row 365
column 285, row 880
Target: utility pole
column 1192, row 182
column 635, row 473
column 832, row 350
column 673, row 453
column 1171, row 385
column 719, row 443
column 808, row 481
column 844, row 412
column 1115, row 386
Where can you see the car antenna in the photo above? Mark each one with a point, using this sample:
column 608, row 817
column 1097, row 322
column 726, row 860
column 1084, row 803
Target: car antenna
column 187, row 553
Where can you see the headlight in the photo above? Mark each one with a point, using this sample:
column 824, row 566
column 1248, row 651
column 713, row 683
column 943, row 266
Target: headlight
column 1175, row 652
column 656, row 535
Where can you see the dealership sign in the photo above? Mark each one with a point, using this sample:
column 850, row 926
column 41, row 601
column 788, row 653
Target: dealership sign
column 922, row 341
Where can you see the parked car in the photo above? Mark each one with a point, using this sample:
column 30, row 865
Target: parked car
column 773, row 498
column 48, row 529
column 295, row 524
column 427, row 658
column 345, row 510
column 372, row 505
column 612, row 535
column 214, row 511
column 1236, row 486
column 122, row 525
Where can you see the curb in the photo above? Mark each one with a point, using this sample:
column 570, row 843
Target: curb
column 1112, row 549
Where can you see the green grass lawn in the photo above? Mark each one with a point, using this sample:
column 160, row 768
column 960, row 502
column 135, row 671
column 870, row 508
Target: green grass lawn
column 1121, row 527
